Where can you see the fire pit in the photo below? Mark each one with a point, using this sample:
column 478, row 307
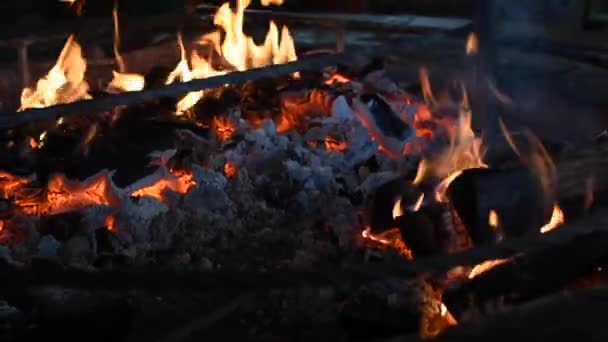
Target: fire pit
column 253, row 183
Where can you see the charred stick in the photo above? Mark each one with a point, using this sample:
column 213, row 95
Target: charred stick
column 10, row 120
column 527, row 277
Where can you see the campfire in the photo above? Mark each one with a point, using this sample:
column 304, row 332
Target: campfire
column 253, row 165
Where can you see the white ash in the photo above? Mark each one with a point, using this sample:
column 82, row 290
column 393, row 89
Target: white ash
column 134, row 216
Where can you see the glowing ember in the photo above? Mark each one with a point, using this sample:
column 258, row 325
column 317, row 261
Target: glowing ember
column 230, row 170
column 390, row 238
column 34, row 144
column 64, row 82
column 486, row 266
column 557, row 219
column 334, row 145
column 224, row 127
column 9, row 184
column 180, row 182
column 493, row 220
column 337, row 79
column 110, row 223
column 397, row 211
column 472, row 44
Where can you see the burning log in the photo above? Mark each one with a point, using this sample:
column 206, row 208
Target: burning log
column 529, row 276
column 578, row 315
column 8, row 120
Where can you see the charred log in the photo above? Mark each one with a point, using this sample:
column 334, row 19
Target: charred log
column 529, row 276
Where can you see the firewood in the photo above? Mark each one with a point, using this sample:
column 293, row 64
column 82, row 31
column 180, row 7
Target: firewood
column 570, row 316
column 530, row 276
column 87, row 107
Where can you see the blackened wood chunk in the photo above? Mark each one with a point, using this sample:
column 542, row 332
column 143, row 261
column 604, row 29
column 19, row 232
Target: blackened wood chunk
column 419, row 233
column 61, row 226
column 383, row 201
column 386, row 119
column 515, row 195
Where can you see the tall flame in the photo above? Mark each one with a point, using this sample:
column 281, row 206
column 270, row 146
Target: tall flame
column 64, row 83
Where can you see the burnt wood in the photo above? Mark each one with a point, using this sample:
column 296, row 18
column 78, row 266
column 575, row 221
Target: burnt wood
column 89, row 107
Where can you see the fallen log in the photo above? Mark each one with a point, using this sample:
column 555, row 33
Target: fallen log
column 87, row 107
column 527, row 277
column 570, row 316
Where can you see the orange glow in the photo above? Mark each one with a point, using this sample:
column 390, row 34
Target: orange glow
column 224, row 127
column 64, row 83
column 10, row 184
column 485, row 267
column 181, row 182
column 230, row 170
column 397, row 211
column 334, row 145
column 34, row 144
column 390, row 238
column 110, row 223
column 557, row 219
column 493, row 220
column 416, row 207
column 472, row 44
column 337, row 79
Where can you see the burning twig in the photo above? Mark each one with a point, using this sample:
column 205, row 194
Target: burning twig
column 9, row 120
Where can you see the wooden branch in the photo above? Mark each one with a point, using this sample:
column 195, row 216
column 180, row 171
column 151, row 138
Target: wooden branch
column 571, row 316
column 528, row 277
column 87, row 107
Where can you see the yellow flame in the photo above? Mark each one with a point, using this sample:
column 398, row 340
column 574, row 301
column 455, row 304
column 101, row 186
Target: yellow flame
column 116, row 47
column 493, row 220
column 421, row 172
column 486, row 266
column 397, row 210
column 64, row 83
column 416, row 207
column 557, row 219
column 472, row 44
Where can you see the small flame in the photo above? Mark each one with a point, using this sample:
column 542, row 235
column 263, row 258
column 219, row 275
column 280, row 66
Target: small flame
column 110, row 223
column 416, row 207
column 390, row 238
column 557, row 219
column 116, row 47
column 224, row 127
column 34, row 144
column 397, row 211
column 180, row 182
column 421, row 173
column 493, row 220
column 332, row 144
column 64, row 83
column 230, row 170
column 425, row 83
column 337, row 78
column 472, row 47
column 485, row 267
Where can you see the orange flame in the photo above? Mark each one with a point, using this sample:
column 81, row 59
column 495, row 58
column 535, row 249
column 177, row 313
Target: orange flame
column 557, row 219
column 332, row 144
column 472, row 44
column 181, row 182
column 485, row 267
column 493, row 220
column 64, row 83
column 110, row 223
column 230, row 170
column 390, row 238
column 397, row 211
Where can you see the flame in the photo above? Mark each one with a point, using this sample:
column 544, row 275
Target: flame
column 116, row 47
column 472, row 44
column 241, row 51
column 334, row 145
column 64, row 83
column 493, row 220
column 180, row 182
column 271, row 2
column 421, row 172
column 230, row 170
column 485, row 267
column 390, row 238
column 10, row 184
column 416, row 207
column 337, row 78
column 34, row 144
column 397, row 211
column 425, row 83
column 224, row 127
column 557, row 219
column 123, row 82
column 110, row 223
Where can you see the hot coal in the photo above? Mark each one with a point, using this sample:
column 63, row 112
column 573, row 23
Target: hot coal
column 516, row 196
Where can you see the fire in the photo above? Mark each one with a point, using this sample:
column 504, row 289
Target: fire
column 397, row 211
column 390, row 238
column 230, row 170
column 241, row 51
column 472, row 44
column 493, row 220
column 224, row 127
column 34, row 144
column 110, row 223
column 64, row 83
column 178, row 181
column 416, row 207
column 9, row 184
column 486, row 266
column 337, row 78
column 425, row 83
column 334, row 145
column 557, row 219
